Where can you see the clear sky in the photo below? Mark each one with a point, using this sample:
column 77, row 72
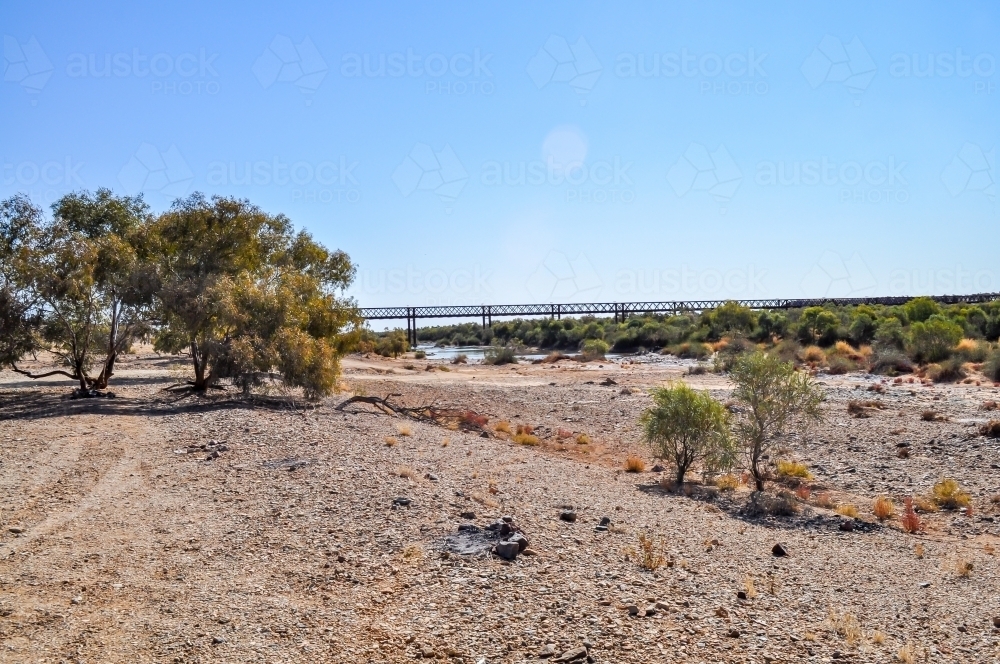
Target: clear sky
column 488, row 152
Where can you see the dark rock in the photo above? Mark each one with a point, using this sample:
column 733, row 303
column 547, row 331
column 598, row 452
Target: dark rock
column 925, row 584
column 431, row 476
column 847, row 526
column 650, row 611
column 484, row 435
column 996, row 621
column 778, row 551
column 468, row 515
column 507, row 550
column 733, row 633
column 605, row 521
column 521, row 540
column 569, row 516
column 16, row 530
column 507, row 519
column 572, row 655
column 601, row 529
column 218, row 640
column 468, row 528
column 633, row 610
column 402, row 501
column 741, row 594
column 658, row 468
column 607, row 382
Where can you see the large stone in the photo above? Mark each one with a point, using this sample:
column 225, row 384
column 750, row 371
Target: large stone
column 522, row 541
column 568, row 516
column 778, row 551
column 572, row 655
column 507, row 550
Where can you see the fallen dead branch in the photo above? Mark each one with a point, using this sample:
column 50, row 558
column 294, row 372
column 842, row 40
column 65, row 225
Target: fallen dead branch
column 465, row 419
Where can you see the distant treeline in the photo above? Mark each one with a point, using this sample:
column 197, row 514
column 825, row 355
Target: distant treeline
column 919, row 331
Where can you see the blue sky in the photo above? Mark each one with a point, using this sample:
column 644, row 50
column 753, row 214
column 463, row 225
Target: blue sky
column 553, row 152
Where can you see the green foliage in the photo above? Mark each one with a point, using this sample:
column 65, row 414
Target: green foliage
column 919, row 309
column 991, row 367
column 935, row 339
column 818, row 326
column 87, row 275
column 593, row 349
column 890, row 334
column 245, row 296
column 730, row 317
column 686, row 426
column 771, row 393
column 862, row 329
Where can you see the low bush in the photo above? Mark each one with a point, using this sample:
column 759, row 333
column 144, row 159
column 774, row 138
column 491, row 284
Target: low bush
column 948, row 371
column 793, row 469
column 847, row 510
column 461, row 358
column 890, row 362
column 583, row 439
column 910, row 520
column 420, row 355
column 949, row 495
column 694, row 350
column 634, row 464
column 839, row 365
column 991, row 429
column 883, row 508
column 498, row 355
column 727, row 482
column 502, row 426
column 812, row 355
column 526, row 439
column 763, row 504
column 991, row 366
column 972, row 350
column 593, row 349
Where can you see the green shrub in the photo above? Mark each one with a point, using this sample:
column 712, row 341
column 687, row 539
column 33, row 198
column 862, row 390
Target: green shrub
column 838, row 365
column 686, row 426
column 889, row 362
column 420, row 355
column 818, row 326
column 991, row 368
column 500, row 355
column 593, row 349
column 948, row 371
column 690, row 350
column 920, row 309
column 934, row 339
column 890, row 334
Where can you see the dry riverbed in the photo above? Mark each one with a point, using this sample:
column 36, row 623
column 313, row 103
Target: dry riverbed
column 149, row 529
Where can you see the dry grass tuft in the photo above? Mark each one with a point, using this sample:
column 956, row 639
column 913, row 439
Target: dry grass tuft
column 803, row 492
column 949, row 495
column 964, row 568
column 446, row 442
column 634, row 464
column 583, row 439
column 846, row 625
column 485, row 500
column 404, row 430
column 924, row 504
column 526, row 439
column 413, row 552
column 649, row 555
column 848, row 510
column 878, row 637
column 502, row 426
column 749, row 587
column 918, row 551
column 905, row 654
column 812, row 355
column 825, row 500
column 727, row 482
column 793, row 469
column 910, row 520
column 883, row 508
column 407, row 473
column 391, row 441
column 932, row 416
column 562, row 434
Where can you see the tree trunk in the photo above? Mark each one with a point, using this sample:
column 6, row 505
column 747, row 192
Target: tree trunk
column 201, row 381
column 681, row 471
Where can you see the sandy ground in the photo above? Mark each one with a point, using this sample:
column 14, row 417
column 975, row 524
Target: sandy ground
column 121, row 540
